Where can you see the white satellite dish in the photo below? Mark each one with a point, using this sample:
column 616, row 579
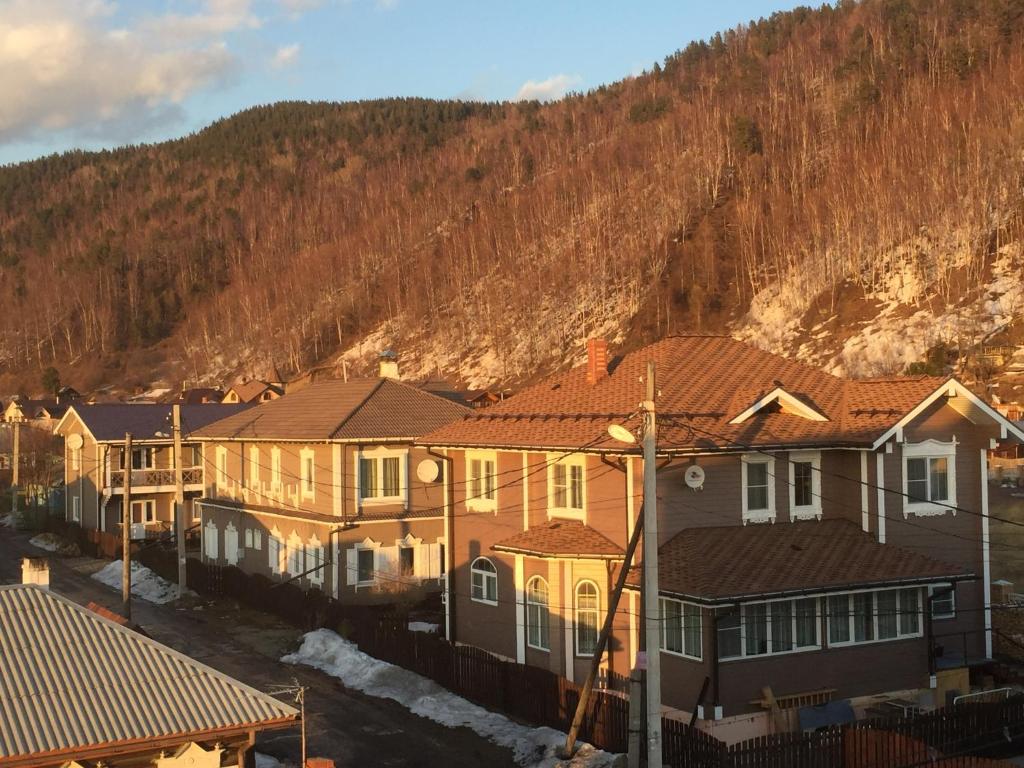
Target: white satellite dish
column 74, row 441
column 620, row 433
column 694, row 476
column 428, row 471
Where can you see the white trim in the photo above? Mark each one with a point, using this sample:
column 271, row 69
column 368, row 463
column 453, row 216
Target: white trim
column 568, row 645
column 568, row 461
column 359, row 546
column 485, row 575
column 634, row 632
column 337, row 486
column 787, row 401
column 378, row 455
column 477, row 503
column 276, row 485
column 927, row 450
column 880, row 485
column 221, row 469
column 865, row 514
column 546, row 608
column 874, row 617
column 144, row 505
column 576, row 615
column 526, row 492
column 986, row 564
column 630, row 501
column 663, row 647
column 744, row 623
column 446, row 596
column 758, row 515
column 810, row 511
column 520, row 611
column 954, row 388
column 307, row 480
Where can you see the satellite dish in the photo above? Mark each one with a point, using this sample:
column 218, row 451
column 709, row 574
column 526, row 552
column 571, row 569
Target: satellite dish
column 694, row 476
column 428, row 471
column 74, row 441
column 620, row 433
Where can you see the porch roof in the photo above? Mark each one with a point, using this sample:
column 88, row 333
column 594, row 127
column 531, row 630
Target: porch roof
column 762, row 561
column 561, row 538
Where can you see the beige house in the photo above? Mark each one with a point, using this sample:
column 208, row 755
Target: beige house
column 822, row 538
column 95, row 461
column 325, row 488
column 253, row 391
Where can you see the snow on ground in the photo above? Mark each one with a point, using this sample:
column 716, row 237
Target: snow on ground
column 532, row 747
column 145, row 583
column 423, row 626
column 8, row 521
column 51, row 542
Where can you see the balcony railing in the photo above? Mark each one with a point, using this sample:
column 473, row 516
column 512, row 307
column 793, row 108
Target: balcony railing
column 155, row 477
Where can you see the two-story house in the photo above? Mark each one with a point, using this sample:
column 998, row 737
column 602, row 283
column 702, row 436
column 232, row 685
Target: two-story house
column 95, row 461
column 325, row 488
column 820, row 537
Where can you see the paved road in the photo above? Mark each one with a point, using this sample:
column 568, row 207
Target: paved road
column 344, row 725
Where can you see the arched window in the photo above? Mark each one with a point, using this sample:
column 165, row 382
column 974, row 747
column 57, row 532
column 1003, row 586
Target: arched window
column 485, row 581
column 295, row 555
column 315, row 560
column 276, row 551
column 537, row 616
column 587, row 614
column 231, row 544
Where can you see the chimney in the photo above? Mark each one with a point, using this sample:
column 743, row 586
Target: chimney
column 389, row 365
column 35, row 570
column 597, row 360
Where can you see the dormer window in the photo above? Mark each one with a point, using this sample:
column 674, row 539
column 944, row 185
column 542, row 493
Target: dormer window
column 781, row 401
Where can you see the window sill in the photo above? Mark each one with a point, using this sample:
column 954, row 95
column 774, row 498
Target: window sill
column 482, row 601
column 476, row 505
column 538, row 648
column 928, row 509
column 858, row 643
column 759, row 517
column 805, row 513
column 380, row 501
column 681, row 655
column 567, row 512
column 768, row 656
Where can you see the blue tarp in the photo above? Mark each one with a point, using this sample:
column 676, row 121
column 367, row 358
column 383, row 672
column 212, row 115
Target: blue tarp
column 832, row 713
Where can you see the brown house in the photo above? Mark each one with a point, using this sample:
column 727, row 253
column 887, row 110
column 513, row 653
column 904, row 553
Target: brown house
column 821, row 537
column 95, row 462
column 253, row 391
column 325, row 487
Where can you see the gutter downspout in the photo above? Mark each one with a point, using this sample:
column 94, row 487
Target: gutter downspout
column 449, row 549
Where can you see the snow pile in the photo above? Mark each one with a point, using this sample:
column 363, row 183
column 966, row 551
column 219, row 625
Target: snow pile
column 8, row 521
column 423, row 626
column 532, row 747
column 51, row 542
column 145, row 583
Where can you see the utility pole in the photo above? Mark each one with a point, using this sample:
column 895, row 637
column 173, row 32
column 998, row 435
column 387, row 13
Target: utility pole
column 179, row 499
column 652, row 625
column 15, row 466
column 126, row 529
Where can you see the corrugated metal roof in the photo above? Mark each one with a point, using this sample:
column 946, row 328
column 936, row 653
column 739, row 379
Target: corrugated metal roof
column 148, row 421
column 71, row 679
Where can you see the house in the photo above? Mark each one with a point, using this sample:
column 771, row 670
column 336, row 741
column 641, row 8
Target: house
column 81, row 689
column 253, row 391
column 820, row 538
column 325, row 488
column 95, row 462
column 199, row 396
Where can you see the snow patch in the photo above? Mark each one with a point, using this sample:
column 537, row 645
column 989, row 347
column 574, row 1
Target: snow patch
column 8, row 521
column 51, row 542
column 532, row 747
column 145, row 583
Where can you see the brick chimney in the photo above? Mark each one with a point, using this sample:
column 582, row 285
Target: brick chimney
column 389, row 365
column 35, row 570
column 597, row 360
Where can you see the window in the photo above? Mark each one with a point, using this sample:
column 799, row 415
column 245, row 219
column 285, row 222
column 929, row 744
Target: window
column 382, row 476
column 276, row 551
column 484, row 577
column 805, row 485
column 865, row 617
column 76, row 509
column 307, row 467
column 406, row 560
column 943, row 601
column 275, row 469
column 315, row 561
column 365, row 571
column 254, row 467
column 193, row 456
column 680, row 628
column 295, row 553
column 566, row 490
column 231, row 544
column 210, row 544
column 587, row 617
column 538, row 618
column 222, row 468
column 758, row 474
column 143, row 458
column 481, row 485
column 929, row 477
column 758, row 629
column 144, row 511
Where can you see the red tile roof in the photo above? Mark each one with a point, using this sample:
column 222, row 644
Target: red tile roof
column 723, row 564
column 703, row 382
column 561, row 538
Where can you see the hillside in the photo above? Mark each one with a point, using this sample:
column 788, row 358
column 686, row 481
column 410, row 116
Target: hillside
column 819, row 181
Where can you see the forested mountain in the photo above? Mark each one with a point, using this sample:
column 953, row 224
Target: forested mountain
column 788, row 180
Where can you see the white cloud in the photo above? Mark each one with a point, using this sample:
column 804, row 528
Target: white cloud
column 67, row 70
column 555, row 87
column 297, row 7
column 285, row 56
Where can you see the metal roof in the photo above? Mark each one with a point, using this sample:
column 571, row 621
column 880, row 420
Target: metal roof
column 71, row 679
column 146, row 421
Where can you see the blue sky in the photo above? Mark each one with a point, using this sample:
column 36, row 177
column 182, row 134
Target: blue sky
column 95, row 73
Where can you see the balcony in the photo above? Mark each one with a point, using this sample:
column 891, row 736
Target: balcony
column 155, row 479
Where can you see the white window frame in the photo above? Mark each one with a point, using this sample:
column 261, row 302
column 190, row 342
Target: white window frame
column 148, row 510
column 683, row 626
column 76, row 509
column 930, row 449
column 230, row 544
column 810, row 511
column 211, row 530
column 874, row 617
column 275, row 469
column 817, row 646
column 577, row 624
column 254, row 468
column 485, row 577
column 221, row 475
column 277, row 544
column 758, row 515
column 366, row 545
column 378, row 455
column 569, row 463
column 487, row 501
column 952, row 601
column 147, row 458
column 536, row 610
column 307, row 473
column 296, row 555
column 315, row 549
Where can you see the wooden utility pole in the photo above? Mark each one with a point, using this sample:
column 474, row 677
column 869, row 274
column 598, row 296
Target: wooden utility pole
column 15, row 466
column 179, row 499
column 126, row 531
column 602, row 639
column 652, row 625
